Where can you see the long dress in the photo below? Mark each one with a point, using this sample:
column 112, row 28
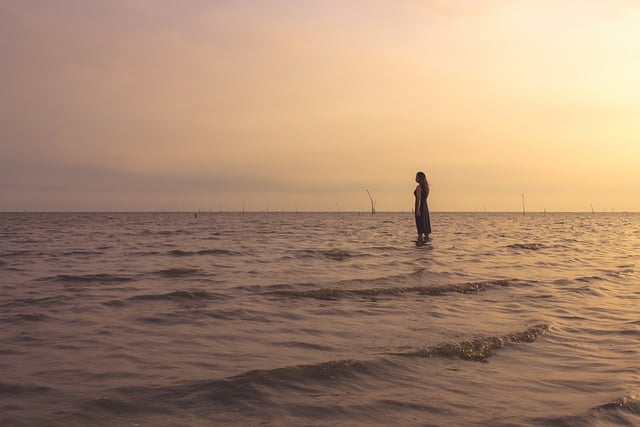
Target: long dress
column 423, row 221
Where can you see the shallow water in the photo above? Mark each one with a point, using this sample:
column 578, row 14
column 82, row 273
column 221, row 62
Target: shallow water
column 318, row 319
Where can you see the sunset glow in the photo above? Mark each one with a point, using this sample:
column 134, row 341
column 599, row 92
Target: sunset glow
column 277, row 105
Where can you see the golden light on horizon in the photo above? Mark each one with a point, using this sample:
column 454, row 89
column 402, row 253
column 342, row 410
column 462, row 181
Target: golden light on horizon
column 309, row 104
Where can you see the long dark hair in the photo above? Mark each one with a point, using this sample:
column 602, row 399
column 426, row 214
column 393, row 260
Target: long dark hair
column 422, row 180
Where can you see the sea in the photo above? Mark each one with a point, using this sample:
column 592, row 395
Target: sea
column 319, row 319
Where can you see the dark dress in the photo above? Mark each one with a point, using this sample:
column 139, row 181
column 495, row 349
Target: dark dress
column 423, row 222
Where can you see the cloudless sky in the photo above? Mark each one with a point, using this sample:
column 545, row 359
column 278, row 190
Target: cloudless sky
column 304, row 105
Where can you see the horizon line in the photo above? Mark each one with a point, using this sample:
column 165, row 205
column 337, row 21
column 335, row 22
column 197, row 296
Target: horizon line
column 368, row 212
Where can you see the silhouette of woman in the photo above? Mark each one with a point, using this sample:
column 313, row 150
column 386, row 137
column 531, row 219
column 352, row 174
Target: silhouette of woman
column 423, row 222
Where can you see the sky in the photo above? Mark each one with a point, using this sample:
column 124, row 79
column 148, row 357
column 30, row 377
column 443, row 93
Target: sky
column 138, row 105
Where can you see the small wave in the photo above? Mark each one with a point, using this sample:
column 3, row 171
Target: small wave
column 203, row 252
column 178, row 252
column 336, row 254
column 15, row 254
column 165, row 319
column 87, row 278
column 615, row 404
column 290, row 375
column 622, row 411
column 176, row 296
column 142, row 253
column 148, row 232
column 303, row 345
column 181, row 298
column 358, row 282
column 248, row 386
column 337, row 293
column 216, row 252
column 332, row 254
column 44, row 302
column 26, row 317
column 625, row 271
column 82, row 253
column 20, row 389
column 178, row 272
column 527, row 246
column 480, row 349
column 589, row 278
column 246, row 393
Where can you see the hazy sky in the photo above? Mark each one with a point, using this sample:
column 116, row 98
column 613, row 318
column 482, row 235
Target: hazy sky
column 306, row 104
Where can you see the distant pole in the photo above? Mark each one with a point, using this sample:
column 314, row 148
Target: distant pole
column 373, row 204
column 523, row 210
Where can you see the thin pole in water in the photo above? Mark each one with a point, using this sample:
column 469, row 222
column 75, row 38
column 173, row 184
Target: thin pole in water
column 373, row 204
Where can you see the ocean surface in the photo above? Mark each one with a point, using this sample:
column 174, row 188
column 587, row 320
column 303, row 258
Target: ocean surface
column 319, row 319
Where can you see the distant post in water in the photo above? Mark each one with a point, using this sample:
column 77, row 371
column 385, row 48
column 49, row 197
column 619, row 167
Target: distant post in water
column 373, row 204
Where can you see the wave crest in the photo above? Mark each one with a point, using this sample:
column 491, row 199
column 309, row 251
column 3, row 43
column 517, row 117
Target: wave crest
column 338, row 293
column 480, row 349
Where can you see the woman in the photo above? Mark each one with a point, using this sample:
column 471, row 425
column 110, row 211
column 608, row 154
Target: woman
column 423, row 222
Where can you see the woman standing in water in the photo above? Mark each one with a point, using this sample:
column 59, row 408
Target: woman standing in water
column 423, row 222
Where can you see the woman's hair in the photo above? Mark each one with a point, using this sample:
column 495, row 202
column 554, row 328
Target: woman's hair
column 422, row 179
